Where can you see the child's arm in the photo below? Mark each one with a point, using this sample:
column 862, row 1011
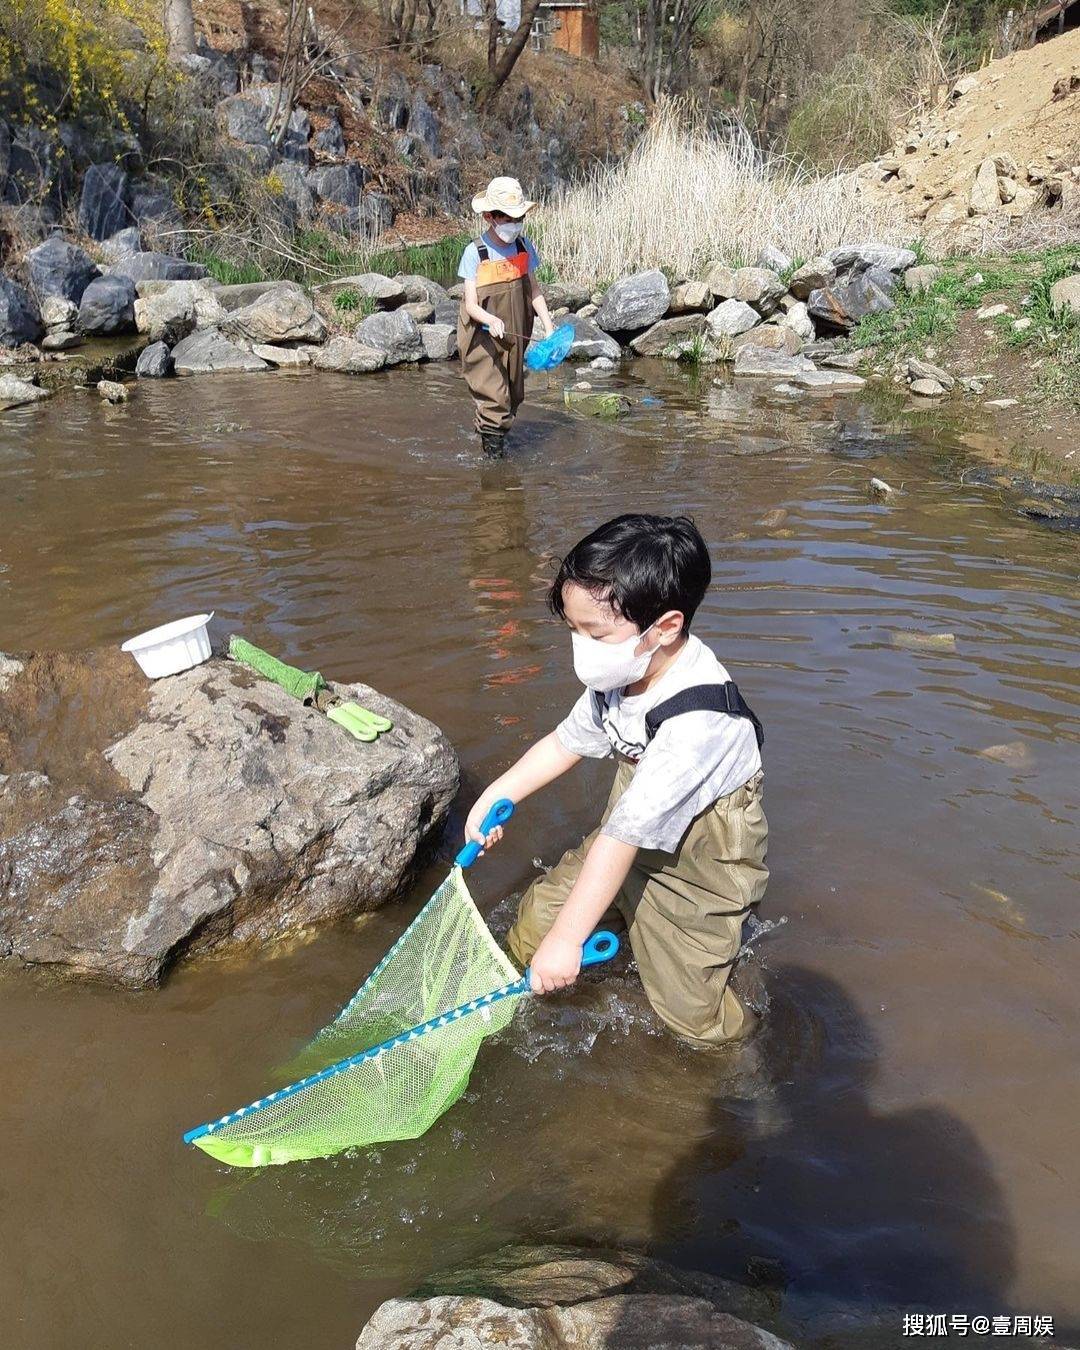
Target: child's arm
column 478, row 314
column 557, row 961
column 540, row 305
column 538, row 766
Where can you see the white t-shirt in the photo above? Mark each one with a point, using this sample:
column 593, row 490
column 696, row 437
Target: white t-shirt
column 692, row 761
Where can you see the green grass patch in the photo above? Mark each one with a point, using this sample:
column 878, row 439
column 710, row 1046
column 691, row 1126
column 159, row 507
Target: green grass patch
column 227, row 271
column 1022, row 281
column 438, row 261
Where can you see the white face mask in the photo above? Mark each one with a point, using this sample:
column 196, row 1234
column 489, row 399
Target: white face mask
column 604, row 666
column 508, row 230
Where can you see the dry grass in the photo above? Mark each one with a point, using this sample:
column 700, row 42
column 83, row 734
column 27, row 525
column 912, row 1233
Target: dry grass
column 689, row 195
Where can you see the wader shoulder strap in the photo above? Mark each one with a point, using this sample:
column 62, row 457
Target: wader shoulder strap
column 721, row 698
column 484, row 253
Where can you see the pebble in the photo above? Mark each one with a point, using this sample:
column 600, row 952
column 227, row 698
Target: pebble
column 112, row 392
column 927, row 388
column 1001, row 403
column 924, row 642
column 880, row 489
column 1022, row 325
column 992, row 311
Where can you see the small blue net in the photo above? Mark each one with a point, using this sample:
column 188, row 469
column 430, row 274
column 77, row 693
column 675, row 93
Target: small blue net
column 550, row 351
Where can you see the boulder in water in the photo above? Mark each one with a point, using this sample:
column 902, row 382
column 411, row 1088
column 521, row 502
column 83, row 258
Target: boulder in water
column 566, row 1298
column 143, row 821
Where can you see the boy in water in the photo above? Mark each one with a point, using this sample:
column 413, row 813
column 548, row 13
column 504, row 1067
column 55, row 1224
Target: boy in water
column 496, row 317
column 680, row 850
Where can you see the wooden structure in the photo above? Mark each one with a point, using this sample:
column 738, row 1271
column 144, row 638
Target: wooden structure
column 571, row 26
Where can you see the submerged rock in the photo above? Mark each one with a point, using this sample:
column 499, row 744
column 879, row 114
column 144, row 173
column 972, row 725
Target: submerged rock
column 596, row 404
column 195, row 812
column 765, row 362
column 565, row 1298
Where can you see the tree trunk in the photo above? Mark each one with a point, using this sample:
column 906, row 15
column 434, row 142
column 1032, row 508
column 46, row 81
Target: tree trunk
column 514, row 48
column 179, row 28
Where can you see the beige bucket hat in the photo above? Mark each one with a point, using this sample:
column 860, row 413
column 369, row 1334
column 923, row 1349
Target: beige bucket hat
column 505, row 195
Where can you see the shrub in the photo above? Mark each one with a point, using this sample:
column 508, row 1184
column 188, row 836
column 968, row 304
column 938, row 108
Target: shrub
column 690, row 194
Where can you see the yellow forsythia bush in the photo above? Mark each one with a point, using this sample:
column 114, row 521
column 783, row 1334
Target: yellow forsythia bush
column 67, row 58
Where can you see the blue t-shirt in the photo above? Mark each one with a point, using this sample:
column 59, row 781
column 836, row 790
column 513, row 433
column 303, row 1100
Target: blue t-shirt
column 470, row 259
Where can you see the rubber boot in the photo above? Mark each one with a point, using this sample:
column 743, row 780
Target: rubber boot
column 493, row 444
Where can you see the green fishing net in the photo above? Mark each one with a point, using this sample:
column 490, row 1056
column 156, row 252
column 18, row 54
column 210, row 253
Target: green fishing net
column 377, row 1073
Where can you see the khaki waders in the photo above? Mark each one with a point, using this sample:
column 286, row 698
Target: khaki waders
column 495, row 370
column 684, row 911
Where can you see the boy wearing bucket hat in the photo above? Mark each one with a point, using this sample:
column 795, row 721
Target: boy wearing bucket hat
column 496, row 317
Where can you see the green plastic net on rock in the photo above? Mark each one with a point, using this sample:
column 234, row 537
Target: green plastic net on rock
column 398, row 1054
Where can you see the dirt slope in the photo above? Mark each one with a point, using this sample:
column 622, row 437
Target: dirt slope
column 1003, row 145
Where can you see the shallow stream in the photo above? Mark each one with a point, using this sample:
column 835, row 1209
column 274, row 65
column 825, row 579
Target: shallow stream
column 903, row 1133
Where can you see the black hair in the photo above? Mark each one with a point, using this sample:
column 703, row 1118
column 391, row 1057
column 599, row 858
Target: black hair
column 641, row 565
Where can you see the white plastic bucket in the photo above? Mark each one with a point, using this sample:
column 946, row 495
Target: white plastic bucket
column 173, row 647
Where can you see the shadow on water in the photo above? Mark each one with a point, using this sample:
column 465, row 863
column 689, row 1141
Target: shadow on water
column 850, row 1213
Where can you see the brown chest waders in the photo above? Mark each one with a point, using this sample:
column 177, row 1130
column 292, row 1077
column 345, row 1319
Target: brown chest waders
column 494, row 369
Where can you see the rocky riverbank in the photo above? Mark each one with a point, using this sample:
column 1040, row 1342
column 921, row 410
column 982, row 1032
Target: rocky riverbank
column 143, row 822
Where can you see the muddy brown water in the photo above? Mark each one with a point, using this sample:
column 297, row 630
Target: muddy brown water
column 902, row 1135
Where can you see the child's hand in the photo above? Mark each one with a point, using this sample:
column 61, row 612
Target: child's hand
column 555, row 964
column 496, row 327
column 475, row 818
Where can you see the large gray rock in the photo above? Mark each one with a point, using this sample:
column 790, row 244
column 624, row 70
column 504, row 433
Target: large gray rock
column 424, row 123
column 813, row 275
column 384, row 292
column 590, row 341
column 201, row 811
column 667, row 334
column 759, row 287
column 395, row 333
column 59, row 268
column 1065, row 296
column 20, row 317
column 200, row 298
column 376, row 213
column 245, row 120
column 770, row 363
column 14, row 392
column 331, row 140
column 154, row 362
column 689, row 297
column 294, row 188
column 122, row 244
column 340, row 183
column 634, row 302
column 151, row 266
column 732, row 317
column 845, row 302
column 419, row 288
column 440, row 341
column 349, row 357
column 104, row 205
column 208, row 352
column 720, row 280
column 168, row 316
column 59, row 314
column 243, row 293
column 861, row 257
column 107, row 306
column 562, row 1298
column 283, row 314
column 153, row 206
